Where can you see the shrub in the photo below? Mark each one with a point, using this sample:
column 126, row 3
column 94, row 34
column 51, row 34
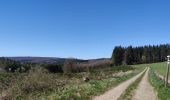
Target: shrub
column 93, row 64
column 69, row 66
column 37, row 81
column 54, row 68
column 13, row 66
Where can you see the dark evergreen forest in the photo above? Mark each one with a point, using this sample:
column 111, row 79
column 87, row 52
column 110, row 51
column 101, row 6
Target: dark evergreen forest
column 142, row 54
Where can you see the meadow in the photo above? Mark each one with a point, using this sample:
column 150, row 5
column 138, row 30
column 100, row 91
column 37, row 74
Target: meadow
column 159, row 68
column 39, row 84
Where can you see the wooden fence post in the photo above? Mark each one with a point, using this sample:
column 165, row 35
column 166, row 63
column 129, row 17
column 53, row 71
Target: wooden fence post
column 167, row 71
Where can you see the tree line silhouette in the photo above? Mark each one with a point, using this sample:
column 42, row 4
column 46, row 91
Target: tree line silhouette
column 141, row 54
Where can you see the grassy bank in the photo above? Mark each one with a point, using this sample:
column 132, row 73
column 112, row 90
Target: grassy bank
column 87, row 90
column 158, row 84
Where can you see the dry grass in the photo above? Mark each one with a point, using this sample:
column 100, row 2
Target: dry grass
column 38, row 83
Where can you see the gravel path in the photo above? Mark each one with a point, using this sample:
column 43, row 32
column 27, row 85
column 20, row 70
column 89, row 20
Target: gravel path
column 145, row 91
column 116, row 92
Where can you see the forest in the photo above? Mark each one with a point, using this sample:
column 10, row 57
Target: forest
column 142, row 54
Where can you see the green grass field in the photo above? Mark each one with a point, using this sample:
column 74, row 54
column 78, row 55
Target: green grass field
column 157, row 67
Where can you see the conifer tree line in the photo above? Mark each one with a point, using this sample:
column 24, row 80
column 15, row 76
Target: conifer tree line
column 142, row 54
column 12, row 66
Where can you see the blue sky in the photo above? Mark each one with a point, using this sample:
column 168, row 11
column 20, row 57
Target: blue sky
column 80, row 28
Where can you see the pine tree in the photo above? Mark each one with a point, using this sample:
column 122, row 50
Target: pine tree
column 143, row 54
column 129, row 55
column 118, row 55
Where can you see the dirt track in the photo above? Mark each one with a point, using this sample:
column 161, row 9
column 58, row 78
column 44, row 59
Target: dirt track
column 116, row 92
column 145, row 91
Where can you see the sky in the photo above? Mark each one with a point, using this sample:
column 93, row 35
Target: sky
column 83, row 29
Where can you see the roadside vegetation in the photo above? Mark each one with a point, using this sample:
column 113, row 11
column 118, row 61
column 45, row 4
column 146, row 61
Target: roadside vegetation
column 86, row 91
column 42, row 81
column 158, row 84
column 38, row 83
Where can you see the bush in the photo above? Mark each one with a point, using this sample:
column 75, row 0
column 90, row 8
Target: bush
column 54, row 68
column 69, row 66
column 37, row 81
column 13, row 66
column 93, row 64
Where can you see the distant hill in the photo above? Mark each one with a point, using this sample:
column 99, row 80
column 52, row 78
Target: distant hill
column 49, row 60
column 41, row 60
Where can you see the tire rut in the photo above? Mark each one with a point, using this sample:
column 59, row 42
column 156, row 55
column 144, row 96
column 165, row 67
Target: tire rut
column 117, row 91
column 144, row 90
